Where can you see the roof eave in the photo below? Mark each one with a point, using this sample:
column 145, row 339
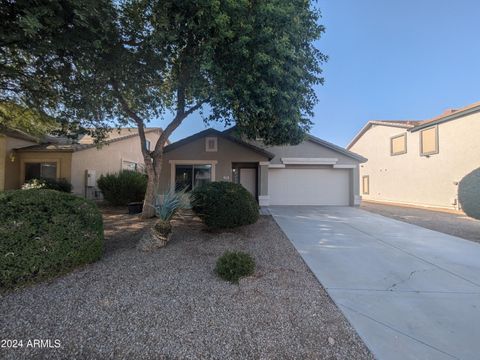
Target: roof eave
column 337, row 148
column 450, row 117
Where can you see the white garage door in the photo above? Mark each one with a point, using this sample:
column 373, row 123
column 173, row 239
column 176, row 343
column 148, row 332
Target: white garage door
column 308, row 186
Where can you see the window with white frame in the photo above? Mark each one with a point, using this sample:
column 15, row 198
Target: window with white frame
column 147, row 144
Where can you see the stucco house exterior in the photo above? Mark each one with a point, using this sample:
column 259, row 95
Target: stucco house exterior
column 419, row 162
column 315, row 172
column 23, row 157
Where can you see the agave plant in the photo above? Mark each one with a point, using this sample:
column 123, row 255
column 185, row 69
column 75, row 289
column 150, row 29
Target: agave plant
column 167, row 205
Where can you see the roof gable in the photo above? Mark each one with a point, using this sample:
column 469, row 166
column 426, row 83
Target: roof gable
column 210, row 132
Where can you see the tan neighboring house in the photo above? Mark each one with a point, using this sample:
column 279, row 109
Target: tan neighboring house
column 419, row 162
column 314, row 172
column 23, row 157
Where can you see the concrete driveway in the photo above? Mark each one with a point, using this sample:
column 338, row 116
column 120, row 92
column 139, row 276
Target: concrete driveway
column 410, row 292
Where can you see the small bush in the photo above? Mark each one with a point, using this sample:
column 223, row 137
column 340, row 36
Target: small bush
column 469, row 194
column 233, row 265
column 59, row 185
column 224, row 205
column 123, row 187
column 44, row 233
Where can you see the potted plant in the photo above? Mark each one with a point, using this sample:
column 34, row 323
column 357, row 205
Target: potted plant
column 166, row 207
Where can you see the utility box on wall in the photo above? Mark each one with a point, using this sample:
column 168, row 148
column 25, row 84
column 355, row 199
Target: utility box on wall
column 91, row 178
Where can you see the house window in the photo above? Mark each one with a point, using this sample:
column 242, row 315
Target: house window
column 45, row 170
column 129, row 165
column 429, row 141
column 398, row 145
column 190, row 176
column 366, row 185
column 147, row 144
column 211, row 144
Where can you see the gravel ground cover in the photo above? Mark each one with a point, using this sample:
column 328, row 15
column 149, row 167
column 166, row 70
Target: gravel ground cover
column 170, row 305
column 446, row 222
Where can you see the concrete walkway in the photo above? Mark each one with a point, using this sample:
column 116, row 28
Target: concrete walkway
column 410, row 292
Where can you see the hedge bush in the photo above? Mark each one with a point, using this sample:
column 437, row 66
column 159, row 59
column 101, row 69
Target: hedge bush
column 224, row 205
column 123, row 187
column 44, row 233
column 233, row 265
column 59, row 185
column 469, row 194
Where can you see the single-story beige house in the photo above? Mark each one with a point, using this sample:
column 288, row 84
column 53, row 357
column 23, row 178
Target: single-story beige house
column 23, row 157
column 419, row 162
column 315, row 172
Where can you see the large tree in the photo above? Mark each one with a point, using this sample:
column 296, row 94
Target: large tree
column 252, row 63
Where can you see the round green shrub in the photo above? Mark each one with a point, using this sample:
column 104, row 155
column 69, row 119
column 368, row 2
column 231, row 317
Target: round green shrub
column 123, row 187
column 469, row 194
column 44, row 233
column 233, row 265
column 224, row 205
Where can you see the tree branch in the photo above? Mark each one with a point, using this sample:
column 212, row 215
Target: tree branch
column 175, row 123
column 138, row 120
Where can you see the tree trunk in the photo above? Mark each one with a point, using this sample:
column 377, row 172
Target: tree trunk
column 153, row 172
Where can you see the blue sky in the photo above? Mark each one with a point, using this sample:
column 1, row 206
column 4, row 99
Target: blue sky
column 403, row 59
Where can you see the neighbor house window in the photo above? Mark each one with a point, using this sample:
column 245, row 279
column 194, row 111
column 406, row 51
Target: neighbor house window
column 44, row 170
column 147, row 144
column 398, row 145
column 366, row 185
column 211, row 144
column 190, row 176
column 129, row 165
column 429, row 141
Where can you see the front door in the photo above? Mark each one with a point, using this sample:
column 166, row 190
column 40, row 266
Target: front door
column 248, row 179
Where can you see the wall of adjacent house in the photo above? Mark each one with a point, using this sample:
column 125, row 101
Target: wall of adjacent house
column 420, row 180
column 10, row 162
column 227, row 153
column 110, row 158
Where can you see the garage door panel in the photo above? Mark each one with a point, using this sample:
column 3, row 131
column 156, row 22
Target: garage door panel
column 308, row 186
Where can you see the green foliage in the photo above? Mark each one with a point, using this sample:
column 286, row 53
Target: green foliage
column 123, row 187
column 171, row 202
column 59, row 185
column 29, row 121
column 44, row 233
column 88, row 62
column 469, row 194
column 224, row 205
column 233, row 265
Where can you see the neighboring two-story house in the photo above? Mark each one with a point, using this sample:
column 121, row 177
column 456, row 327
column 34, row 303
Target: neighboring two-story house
column 419, row 162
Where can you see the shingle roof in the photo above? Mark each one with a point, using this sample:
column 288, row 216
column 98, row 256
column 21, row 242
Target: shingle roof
column 323, row 143
column 62, row 147
column 449, row 114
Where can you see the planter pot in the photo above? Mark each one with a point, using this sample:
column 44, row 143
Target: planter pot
column 135, row 207
column 156, row 237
